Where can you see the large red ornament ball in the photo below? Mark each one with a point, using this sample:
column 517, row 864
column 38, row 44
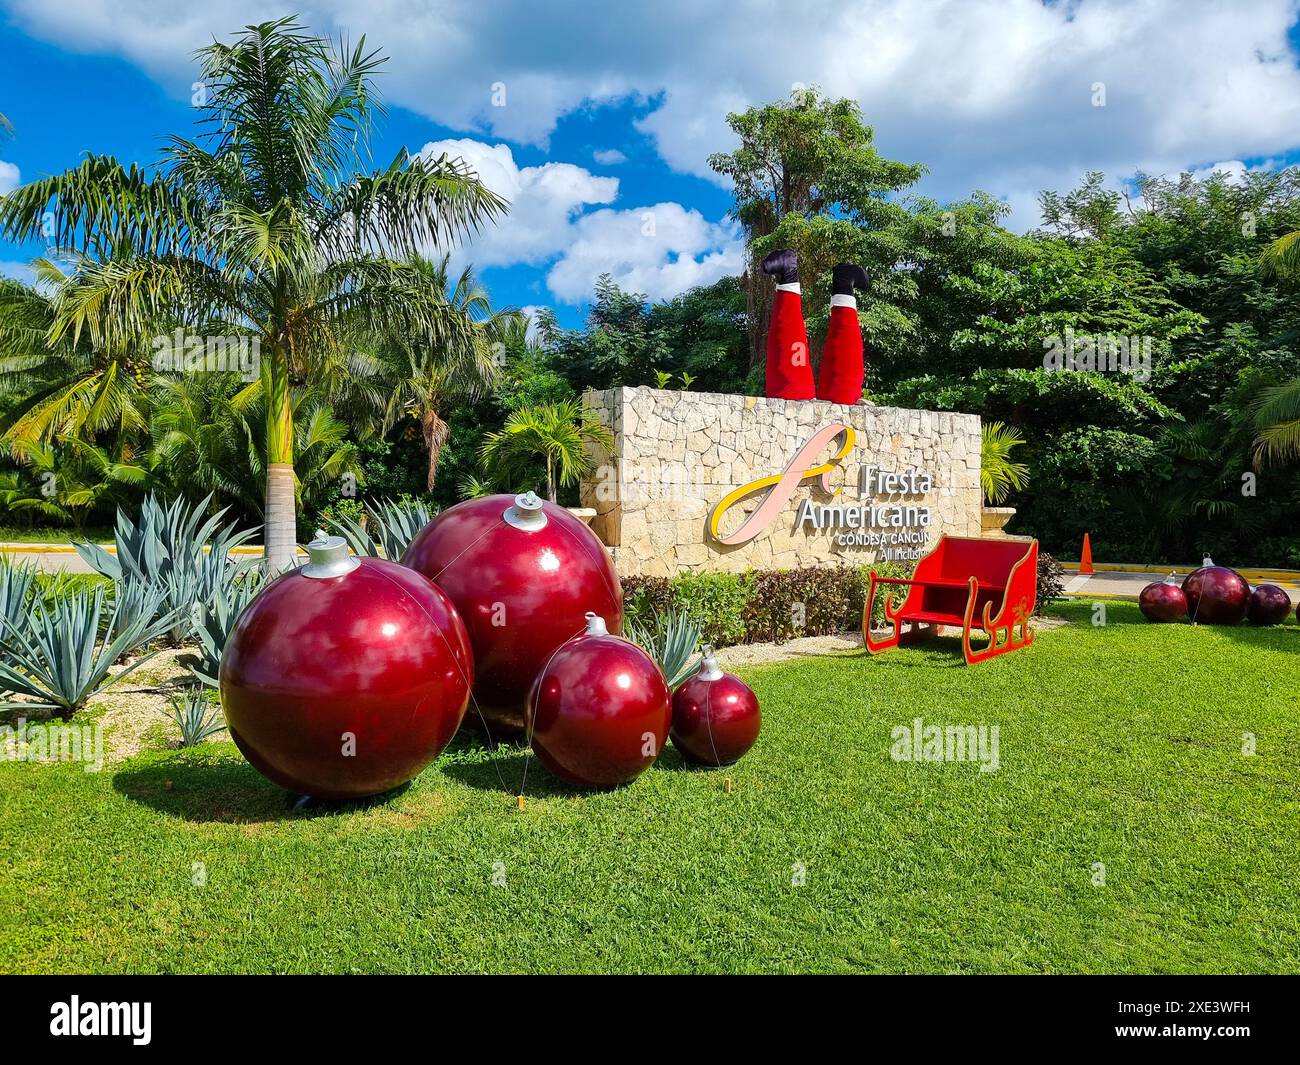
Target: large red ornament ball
column 1269, row 605
column 346, row 677
column 599, row 712
column 715, row 715
column 1163, row 601
column 1216, row 595
column 523, row 573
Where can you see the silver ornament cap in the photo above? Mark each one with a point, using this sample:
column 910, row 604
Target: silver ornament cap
column 329, row 557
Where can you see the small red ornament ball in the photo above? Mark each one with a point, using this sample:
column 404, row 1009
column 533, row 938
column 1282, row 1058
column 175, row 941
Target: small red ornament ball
column 1216, row 595
column 523, row 573
column 1163, row 601
column 346, row 677
column 1269, row 605
column 715, row 716
column 600, row 710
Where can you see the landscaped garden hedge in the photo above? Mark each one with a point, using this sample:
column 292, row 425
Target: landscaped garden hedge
column 761, row 606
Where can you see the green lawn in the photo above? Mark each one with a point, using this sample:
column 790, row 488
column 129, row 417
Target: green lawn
column 1119, row 745
column 94, row 533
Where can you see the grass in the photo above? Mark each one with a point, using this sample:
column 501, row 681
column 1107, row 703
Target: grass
column 1119, row 745
column 96, row 534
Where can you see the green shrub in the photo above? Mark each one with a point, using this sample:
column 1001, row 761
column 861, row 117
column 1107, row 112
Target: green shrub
column 761, row 605
column 645, row 598
column 717, row 601
column 883, row 569
column 813, row 601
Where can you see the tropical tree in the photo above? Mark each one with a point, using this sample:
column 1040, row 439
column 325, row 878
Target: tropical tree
column 209, row 437
column 557, row 433
column 807, row 176
column 1277, row 423
column 425, row 378
column 68, row 384
column 63, row 484
column 1000, row 473
column 269, row 226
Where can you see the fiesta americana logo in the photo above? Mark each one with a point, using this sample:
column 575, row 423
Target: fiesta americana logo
column 781, row 487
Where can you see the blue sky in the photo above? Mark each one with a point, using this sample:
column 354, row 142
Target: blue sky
column 610, row 110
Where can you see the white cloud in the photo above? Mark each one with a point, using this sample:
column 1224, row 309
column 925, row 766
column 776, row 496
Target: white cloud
column 987, row 93
column 9, row 177
column 609, row 156
column 659, row 250
column 544, row 201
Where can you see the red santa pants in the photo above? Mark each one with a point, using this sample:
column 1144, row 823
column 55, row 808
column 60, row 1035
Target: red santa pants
column 789, row 363
column 842, row 370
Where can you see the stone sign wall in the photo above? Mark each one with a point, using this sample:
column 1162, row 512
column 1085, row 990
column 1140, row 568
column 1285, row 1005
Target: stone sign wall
column 706, row 481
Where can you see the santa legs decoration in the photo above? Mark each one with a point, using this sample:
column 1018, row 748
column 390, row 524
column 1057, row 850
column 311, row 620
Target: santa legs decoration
column 789, row 363
column 843, row 369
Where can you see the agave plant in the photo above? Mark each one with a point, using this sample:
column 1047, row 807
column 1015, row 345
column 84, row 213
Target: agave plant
column 196, row 714
column 217, row 621
column 17, row 582
column 163, row 552
column 671, row 640
column 395, row 523
column 59, row 654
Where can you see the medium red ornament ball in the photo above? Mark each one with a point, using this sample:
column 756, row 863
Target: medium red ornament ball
column 1269, row 605
column 1216, row 595
column 715, row 715
column 523, row 573
column 599, row 712
column 346, row 677
column 1163, row 601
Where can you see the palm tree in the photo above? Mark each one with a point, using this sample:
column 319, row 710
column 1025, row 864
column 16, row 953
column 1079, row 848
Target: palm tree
column 1000, row 474
column 269, row 226
column 65, row 484
column 427, row 379
column 557, row 432
column 72, row 387
column 1282, row 257
column 208, row 437
column 1277, row 423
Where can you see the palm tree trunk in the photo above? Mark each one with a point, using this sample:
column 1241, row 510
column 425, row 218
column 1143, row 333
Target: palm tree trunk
column 436, row 433
column 550, row 477
column 281, row 530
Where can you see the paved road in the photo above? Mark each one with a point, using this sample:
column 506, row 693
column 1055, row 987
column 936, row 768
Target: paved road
column 1128, row 584
column 56, row 558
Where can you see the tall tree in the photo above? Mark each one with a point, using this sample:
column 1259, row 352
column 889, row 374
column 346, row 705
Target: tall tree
column 807, row 176
column 270, row 225
column 461, row 367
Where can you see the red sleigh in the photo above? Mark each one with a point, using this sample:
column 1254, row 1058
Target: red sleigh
column 968, row 582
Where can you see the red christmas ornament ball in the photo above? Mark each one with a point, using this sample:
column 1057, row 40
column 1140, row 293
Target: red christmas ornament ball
column 716, row 718
column 1269, row 605
column 599, row 712
column 1163, row 601
column 523, row 573
column 345, row 678
column 1216, row 595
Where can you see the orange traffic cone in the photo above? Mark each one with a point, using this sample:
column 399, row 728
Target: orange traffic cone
column 1085, row 559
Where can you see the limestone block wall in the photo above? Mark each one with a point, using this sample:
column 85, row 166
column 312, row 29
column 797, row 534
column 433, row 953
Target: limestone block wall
column 677, row 454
